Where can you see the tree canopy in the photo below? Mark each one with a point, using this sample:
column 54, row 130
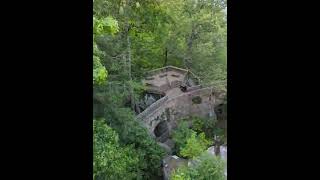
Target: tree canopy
column 111, row 160
column 204, row 167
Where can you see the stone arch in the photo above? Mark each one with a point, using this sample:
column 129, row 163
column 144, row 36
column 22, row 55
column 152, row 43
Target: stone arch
column 161, row 131
column 221, row 111
column 219, row 108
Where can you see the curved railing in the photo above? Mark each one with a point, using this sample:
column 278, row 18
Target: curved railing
column 164, row 69
column 152, row 108
column 167, row 68
column 193, row 88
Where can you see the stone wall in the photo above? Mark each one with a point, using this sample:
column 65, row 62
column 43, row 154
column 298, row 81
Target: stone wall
column 190, row 74
column 193, row 88
column 175, row 108
column 175, row 84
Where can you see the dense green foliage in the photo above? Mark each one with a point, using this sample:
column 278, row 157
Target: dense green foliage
column 131, row 132
column 206, row 125
column 188, row 142
column 180, row 136
column 131, row 37
column 133, row 135
column 111, row 160
column 196, row 144
column 141, row 153
column 103, row 26
column 205, row 167
column 192, row 143
column 186, row 33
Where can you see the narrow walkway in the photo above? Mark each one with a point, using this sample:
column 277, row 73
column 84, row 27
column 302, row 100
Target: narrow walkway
column 163, row 78
column 173, row 92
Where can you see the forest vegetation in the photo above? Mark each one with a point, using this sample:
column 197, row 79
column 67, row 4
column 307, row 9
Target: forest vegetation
column 131, row 37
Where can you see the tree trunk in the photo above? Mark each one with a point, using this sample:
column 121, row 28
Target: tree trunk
column 188, row 55
column 132, row 99
column 217, row 150
column 165, row 57
column 129, row 70
column 137, row 108
column 217, row 146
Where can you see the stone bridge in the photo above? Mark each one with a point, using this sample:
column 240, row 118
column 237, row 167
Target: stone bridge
column 163, row 115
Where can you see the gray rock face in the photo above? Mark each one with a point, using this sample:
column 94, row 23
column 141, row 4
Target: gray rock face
column 170, row 143
column 149, row 99
column 223, row 152
column 165, row 147
column 190, row 82
column 170, row 163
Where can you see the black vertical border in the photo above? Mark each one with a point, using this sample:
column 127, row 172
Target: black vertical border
column 47, row 90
